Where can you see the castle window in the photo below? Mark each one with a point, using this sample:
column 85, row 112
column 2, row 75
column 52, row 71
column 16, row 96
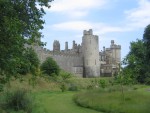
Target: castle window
column 95, row 61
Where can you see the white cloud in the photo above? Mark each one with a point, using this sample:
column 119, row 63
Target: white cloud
column 73, row 25
column 139, row 17
column 76, row 8
column 99, row 28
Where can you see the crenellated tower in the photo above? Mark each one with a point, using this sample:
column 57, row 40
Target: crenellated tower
column 90, row 49
column 56, row 46
column 116, row 52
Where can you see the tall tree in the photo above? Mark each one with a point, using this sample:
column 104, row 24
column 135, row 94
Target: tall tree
column 135, row 60
column 138, row 59
column 146, row 39
column 20, row 22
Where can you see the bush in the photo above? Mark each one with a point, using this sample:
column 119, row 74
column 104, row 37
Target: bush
column 73, row 87
column 102, row 83
column 50, row 67
column 18, row 100
column 63, row 87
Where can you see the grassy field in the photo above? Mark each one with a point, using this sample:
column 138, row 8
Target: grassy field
column 50, row 99
column 58, row 102
column 135, row 101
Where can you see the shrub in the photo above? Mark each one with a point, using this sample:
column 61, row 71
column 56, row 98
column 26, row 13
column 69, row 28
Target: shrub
column 18, row 100
column 50, row 67
column 63, row 87
column 102, row 83
column 73, row 87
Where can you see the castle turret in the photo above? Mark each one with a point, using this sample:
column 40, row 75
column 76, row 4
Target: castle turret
column 66, row 46
column 116, row 52
column 56, row 46
column 90, row 54
column 73, row 45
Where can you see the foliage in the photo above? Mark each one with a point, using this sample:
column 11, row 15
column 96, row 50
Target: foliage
column 17, row 100
column 63, row 87
column 73, row 87
column 63, row 80
column 50, row 67
column 65, row 75
column 29, row 63
column 20, row 22
column 102, row 83
column 146, row 40
column 138, row 59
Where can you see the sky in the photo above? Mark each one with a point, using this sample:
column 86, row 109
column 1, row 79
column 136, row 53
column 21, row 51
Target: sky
column 121, row 20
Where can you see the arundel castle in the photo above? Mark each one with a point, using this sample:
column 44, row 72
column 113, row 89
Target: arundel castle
column 85, row 59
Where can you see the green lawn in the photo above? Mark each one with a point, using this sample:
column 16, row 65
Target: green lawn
column 58, row 102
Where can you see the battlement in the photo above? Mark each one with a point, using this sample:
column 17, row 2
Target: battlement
column 70, row 53
column 90, row 32
column 115, row 46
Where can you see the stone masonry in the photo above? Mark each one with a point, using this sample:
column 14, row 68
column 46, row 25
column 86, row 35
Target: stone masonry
column 84, row 59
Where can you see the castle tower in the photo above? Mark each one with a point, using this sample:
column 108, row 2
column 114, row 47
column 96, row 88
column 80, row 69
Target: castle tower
column 90, row 50
column 56, row 46
column 73, row 45
column 66, row 46
column 116, row 52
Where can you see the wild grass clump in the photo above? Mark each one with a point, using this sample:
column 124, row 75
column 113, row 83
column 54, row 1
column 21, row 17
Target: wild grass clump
column 112, row 102
column 18, row 100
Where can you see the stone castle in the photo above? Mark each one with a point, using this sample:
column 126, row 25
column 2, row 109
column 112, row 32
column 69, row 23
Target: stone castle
column 85, row 59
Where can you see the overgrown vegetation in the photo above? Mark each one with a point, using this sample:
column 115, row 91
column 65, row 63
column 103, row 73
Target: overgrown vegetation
column 110, row 101
column 18, row 100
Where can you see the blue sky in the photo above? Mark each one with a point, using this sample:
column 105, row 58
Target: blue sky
column 120, row 20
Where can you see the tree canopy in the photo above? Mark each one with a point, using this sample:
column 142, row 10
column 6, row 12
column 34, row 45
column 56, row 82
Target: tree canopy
column 49, row 67
column 138, row 59
column 20, row 22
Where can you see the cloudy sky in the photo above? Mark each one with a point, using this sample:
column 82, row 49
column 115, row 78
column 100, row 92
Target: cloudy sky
column 120, row 20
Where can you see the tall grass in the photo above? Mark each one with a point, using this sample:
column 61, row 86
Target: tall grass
column 112, row 102
column 18, row 100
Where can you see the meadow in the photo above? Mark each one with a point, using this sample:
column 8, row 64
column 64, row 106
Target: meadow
column 136, row 99
column 82, row 95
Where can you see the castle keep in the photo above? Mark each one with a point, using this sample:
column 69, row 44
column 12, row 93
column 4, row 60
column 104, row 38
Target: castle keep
column 84, row 60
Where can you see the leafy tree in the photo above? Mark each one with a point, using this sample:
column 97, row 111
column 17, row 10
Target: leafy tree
column 29, row 63
column 135, row 61
column 146, row 39
column 50, row 67
column 20, row 22
column 138, row 59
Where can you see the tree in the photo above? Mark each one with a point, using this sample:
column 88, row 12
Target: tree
column 20, row 22
column 135, row 61
column 138, row 59
column 30, row 62
column 146, row 40
column 50, row 67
